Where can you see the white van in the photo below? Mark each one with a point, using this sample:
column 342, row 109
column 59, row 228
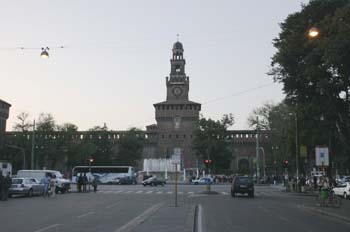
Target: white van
column 63, row 185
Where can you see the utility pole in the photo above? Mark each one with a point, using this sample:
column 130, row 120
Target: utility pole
column 257, row 151
column 297, row 146
column 33, row 147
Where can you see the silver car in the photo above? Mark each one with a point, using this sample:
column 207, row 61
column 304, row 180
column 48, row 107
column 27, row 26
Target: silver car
column 26, row 186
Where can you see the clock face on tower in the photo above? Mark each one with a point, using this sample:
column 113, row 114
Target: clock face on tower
column 177, row 91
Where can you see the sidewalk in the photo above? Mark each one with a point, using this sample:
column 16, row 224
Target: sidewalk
column 342, row 213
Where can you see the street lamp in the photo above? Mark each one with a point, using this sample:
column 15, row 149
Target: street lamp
column 264, row 161
column 295, row 114
column 44, row 53
column 313, row 32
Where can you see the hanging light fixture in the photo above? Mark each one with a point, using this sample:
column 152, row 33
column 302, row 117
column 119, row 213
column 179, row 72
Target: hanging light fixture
column 44, row 53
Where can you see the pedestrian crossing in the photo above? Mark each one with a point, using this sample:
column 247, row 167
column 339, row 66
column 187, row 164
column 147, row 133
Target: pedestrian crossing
column 189, row 193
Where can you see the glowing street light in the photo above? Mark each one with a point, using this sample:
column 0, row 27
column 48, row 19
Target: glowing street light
column 44, row 53
column 313, row 32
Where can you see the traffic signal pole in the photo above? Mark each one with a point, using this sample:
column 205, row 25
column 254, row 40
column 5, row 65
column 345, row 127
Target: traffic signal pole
column 257, row 151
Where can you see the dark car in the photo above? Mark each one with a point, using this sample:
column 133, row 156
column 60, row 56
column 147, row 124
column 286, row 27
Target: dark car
column 242, row 185
column 153, row 181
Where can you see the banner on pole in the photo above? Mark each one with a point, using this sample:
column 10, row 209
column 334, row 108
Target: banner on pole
column 322, row 156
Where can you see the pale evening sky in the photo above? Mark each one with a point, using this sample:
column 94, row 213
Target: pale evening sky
column 116, row 57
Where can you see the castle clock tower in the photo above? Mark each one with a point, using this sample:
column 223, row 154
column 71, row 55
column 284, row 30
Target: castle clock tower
column 177, row 116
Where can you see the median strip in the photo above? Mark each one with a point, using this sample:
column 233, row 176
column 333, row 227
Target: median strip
column 139, row 219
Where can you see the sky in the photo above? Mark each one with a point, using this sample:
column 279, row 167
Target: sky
column 117, row 54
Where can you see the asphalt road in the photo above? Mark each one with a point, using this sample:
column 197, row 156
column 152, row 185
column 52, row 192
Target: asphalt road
column 142, row 209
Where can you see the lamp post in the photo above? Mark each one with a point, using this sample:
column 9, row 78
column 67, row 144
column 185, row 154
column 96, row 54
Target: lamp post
column 257, row 151
column 33, row 147
column 295, row 114
column 264, row 161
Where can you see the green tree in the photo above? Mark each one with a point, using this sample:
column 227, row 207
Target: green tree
column 315, row 72
column 210, row 141
column 129, row 148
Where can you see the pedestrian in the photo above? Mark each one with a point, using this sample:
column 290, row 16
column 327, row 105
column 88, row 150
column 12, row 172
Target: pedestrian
column 315, row 182
column 6, row 186
column 53, row 185
column 94, row 184
column 80, row 182
column 46, row 181
column 85, row 180
column 2, row 182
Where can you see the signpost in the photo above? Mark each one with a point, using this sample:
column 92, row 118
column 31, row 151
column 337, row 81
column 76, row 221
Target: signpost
column 176, row 159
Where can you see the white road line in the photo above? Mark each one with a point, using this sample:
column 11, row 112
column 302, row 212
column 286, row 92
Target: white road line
column 139, row 192
column 86, row 214
column 149, row 192
column 112, row 205
column 190, row 192
column 180, row 192
column 283, row 218
column 200, row 219
column 169, row 192
column 160, row 192
column 47, row 228
column 117, row 192
column 224, row 193
column 129, row 192
column 131, row 225
column 264, row 209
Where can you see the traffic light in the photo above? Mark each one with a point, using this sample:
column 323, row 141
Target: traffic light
column 285, row 163
column 90, row 161
column 207, row 162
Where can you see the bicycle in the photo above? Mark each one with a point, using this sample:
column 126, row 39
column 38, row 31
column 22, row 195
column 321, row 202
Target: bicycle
column 326, row 198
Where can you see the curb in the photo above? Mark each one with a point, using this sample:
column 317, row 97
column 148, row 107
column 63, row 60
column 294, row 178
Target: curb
column 337, row 216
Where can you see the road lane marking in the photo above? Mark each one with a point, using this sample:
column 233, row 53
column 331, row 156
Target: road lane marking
column 283, row 218
column 138, row 192
column 199, row 219
column 190, row 193
column 117, row 192
column 224, row 193
column 112, row 205
column 131, row 225
column 264, row 209
column 169, row 192
column 180, row 192
column 47, row 228
column 85, row 214
column 149, row 192
column 160, row 192
column 128, row 191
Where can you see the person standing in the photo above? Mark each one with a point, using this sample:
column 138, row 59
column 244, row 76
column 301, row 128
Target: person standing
column 53, row 185
column 85, row 180
column 79, row 182
column 46, row 182
column 7, row 186
column 94, row 184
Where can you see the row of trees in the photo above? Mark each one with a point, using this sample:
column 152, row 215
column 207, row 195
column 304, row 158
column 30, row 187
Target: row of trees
column 64, row 153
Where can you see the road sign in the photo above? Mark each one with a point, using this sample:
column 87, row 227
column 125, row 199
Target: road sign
column 322, row 156
column 176, row 159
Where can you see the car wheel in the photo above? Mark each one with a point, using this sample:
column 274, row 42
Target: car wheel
column 30, row 193
column 345, row 196
column 195, row 183
column 144, row 185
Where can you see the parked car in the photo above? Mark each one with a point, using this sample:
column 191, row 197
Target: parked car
column 342, row 190
column 153, row 181
column 63, row 185
column 344, row 179
column 203, row 180
column 242, row 185
column 26, row 186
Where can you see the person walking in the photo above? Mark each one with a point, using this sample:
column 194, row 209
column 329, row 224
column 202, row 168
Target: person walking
column 79, row 182
column 6, row 186
column 53, row 186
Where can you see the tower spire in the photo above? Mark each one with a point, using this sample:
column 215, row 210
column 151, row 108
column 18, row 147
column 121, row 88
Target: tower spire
column 177, row 37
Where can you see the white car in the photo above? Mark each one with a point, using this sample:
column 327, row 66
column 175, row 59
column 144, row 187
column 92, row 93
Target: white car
column 342, row 190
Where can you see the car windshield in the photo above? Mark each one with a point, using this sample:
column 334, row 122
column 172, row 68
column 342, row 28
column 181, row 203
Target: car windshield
column 242, row 180
column 17, row 181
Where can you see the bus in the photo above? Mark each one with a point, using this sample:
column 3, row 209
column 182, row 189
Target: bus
column 106, row 174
